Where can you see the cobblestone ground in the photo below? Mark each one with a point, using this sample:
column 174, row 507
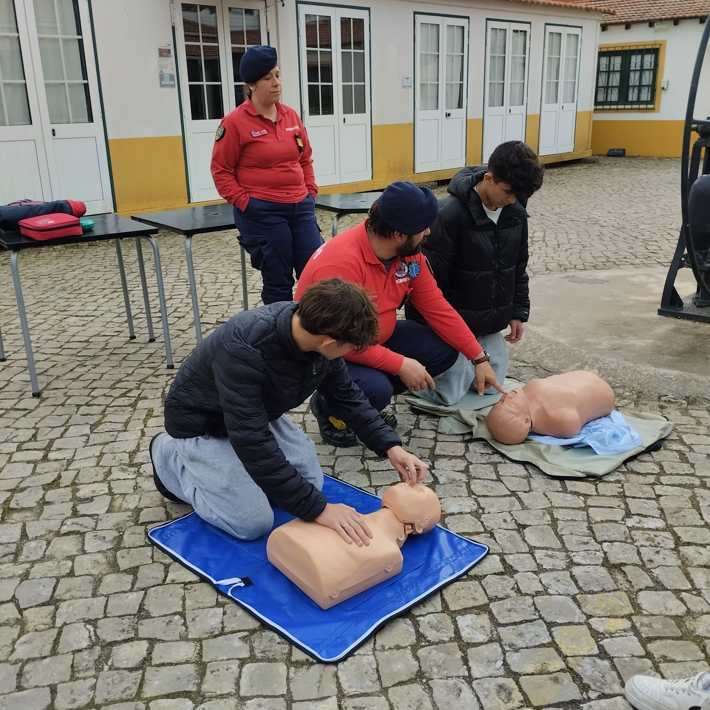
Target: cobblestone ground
column 587, row 582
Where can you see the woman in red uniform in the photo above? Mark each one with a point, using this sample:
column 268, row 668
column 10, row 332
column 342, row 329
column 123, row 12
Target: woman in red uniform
column 261, row 164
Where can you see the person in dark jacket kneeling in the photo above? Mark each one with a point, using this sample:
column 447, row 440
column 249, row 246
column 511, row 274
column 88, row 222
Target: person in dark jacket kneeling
column 230, row 451
column 478, row 247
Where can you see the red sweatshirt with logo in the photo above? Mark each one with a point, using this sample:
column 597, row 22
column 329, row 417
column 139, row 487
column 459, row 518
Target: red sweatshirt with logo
column 350, row 257
column 254, row 156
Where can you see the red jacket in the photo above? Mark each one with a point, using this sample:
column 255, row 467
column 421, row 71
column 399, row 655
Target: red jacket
column 349, row 256
column 256, row 157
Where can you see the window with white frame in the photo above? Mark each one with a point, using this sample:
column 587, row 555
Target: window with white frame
column 204, row 75
column 319, row 62
column 61, row 48
column 14, row 108
column 245, row 32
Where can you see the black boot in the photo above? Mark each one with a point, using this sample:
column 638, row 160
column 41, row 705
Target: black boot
column 332, row 430
column 158, row 483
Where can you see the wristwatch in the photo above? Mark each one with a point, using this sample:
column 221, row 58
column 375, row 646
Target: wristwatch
column 483, row 357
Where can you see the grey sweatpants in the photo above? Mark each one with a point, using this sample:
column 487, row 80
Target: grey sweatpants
column 205, row 472
column 454, row 383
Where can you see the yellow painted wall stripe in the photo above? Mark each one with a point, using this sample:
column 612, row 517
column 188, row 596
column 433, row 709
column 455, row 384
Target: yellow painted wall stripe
column 660, row 139
column 149, row 173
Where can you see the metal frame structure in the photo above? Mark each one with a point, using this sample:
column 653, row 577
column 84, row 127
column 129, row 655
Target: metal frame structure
column 695, row 162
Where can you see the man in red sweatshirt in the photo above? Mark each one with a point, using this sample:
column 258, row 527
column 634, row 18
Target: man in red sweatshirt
column 383, row 255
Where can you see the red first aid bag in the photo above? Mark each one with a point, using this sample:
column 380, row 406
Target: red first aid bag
column 50, row 226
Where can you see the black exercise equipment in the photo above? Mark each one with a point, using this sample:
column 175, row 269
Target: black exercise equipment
column 693, row 249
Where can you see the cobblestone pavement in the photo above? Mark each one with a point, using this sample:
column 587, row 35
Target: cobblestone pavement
column 587, row 582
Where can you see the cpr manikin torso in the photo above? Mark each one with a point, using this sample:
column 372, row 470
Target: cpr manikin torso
column 329, row 570
column 559, row 405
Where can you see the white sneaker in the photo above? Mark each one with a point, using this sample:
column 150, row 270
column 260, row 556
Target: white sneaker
column 647, row 693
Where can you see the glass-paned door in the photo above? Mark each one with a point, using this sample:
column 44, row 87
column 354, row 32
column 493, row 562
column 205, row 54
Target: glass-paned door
column 49, row 89
column 441, row 52
column 506, row 93
column 558, row 115
column 335, row 87
column 21, row 134
column 212, row 37
column 14, row 104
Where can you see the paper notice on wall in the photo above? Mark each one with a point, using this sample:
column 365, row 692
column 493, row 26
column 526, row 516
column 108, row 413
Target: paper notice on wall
column 166, row 67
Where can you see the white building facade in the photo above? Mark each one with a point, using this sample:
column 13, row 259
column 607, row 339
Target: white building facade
column 117, row 103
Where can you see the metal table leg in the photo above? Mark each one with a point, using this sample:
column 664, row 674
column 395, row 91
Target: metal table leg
column 124, row 286
column 193, row 289
column 2, row 350
column 245, row 287
column 23, row 323
column 334, row 228
column 144, row 286
column 161, row 298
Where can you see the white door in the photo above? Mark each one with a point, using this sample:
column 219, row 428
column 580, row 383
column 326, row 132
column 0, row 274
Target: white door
column 60, row 137
column 506, row 93
column 212, row 37
column 335, row 88
column 441, row 51
column 21, row 138
column 558, row 115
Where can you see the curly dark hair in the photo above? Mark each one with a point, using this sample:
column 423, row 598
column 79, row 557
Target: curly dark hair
column 517, row 164
column 340, row 310
column 376, row 224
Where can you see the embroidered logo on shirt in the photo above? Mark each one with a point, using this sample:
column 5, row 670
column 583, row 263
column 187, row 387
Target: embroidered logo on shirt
column 257, row 133
column 292, row 128
column 414, row 269
column 401, row 273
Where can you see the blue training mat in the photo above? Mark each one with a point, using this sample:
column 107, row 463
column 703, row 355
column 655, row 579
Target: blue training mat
column 241, row 571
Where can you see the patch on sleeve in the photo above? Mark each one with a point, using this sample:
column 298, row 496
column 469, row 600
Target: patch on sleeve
column 221, row 130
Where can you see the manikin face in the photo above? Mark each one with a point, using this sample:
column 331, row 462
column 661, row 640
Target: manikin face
column 416, row 506
column 412, row 243
column 267, row 90
column 509, row 421
column 495, row 194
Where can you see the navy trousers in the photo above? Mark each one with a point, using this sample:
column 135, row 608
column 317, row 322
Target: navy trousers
column 279, row 238
column 411, row 339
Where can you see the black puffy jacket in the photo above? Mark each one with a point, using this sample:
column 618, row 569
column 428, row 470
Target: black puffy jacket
column 249, row 372
column 480, row 266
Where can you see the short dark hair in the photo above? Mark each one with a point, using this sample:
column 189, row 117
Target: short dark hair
column 376, row 224
column 341, row 310
column 517, row 164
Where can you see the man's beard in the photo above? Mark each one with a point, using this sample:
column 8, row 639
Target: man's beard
column 409, row 248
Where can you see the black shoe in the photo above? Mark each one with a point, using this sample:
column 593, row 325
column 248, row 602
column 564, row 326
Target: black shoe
column 390, row 418
column 332, row 430
column 158, row 483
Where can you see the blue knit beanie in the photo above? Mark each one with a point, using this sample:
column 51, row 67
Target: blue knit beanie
column 408, row 208
column 257, row 62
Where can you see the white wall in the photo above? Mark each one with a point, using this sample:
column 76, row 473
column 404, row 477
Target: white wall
column 682, row 41
column 392, row 43
column 128, row 34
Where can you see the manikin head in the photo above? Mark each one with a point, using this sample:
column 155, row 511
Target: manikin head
column 416, row 506
column 510, row 420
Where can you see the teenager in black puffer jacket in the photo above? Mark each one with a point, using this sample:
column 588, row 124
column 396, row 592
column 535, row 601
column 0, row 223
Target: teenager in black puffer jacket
column 478, row 247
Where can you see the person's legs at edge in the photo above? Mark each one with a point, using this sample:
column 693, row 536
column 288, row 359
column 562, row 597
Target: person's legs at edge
column 265, row 233
column 497, row 349
column 306, row 235
column 649, row 693
column 207, row 474
column 377, row 387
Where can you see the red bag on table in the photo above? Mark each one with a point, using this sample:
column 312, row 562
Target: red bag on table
column 50, row 226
